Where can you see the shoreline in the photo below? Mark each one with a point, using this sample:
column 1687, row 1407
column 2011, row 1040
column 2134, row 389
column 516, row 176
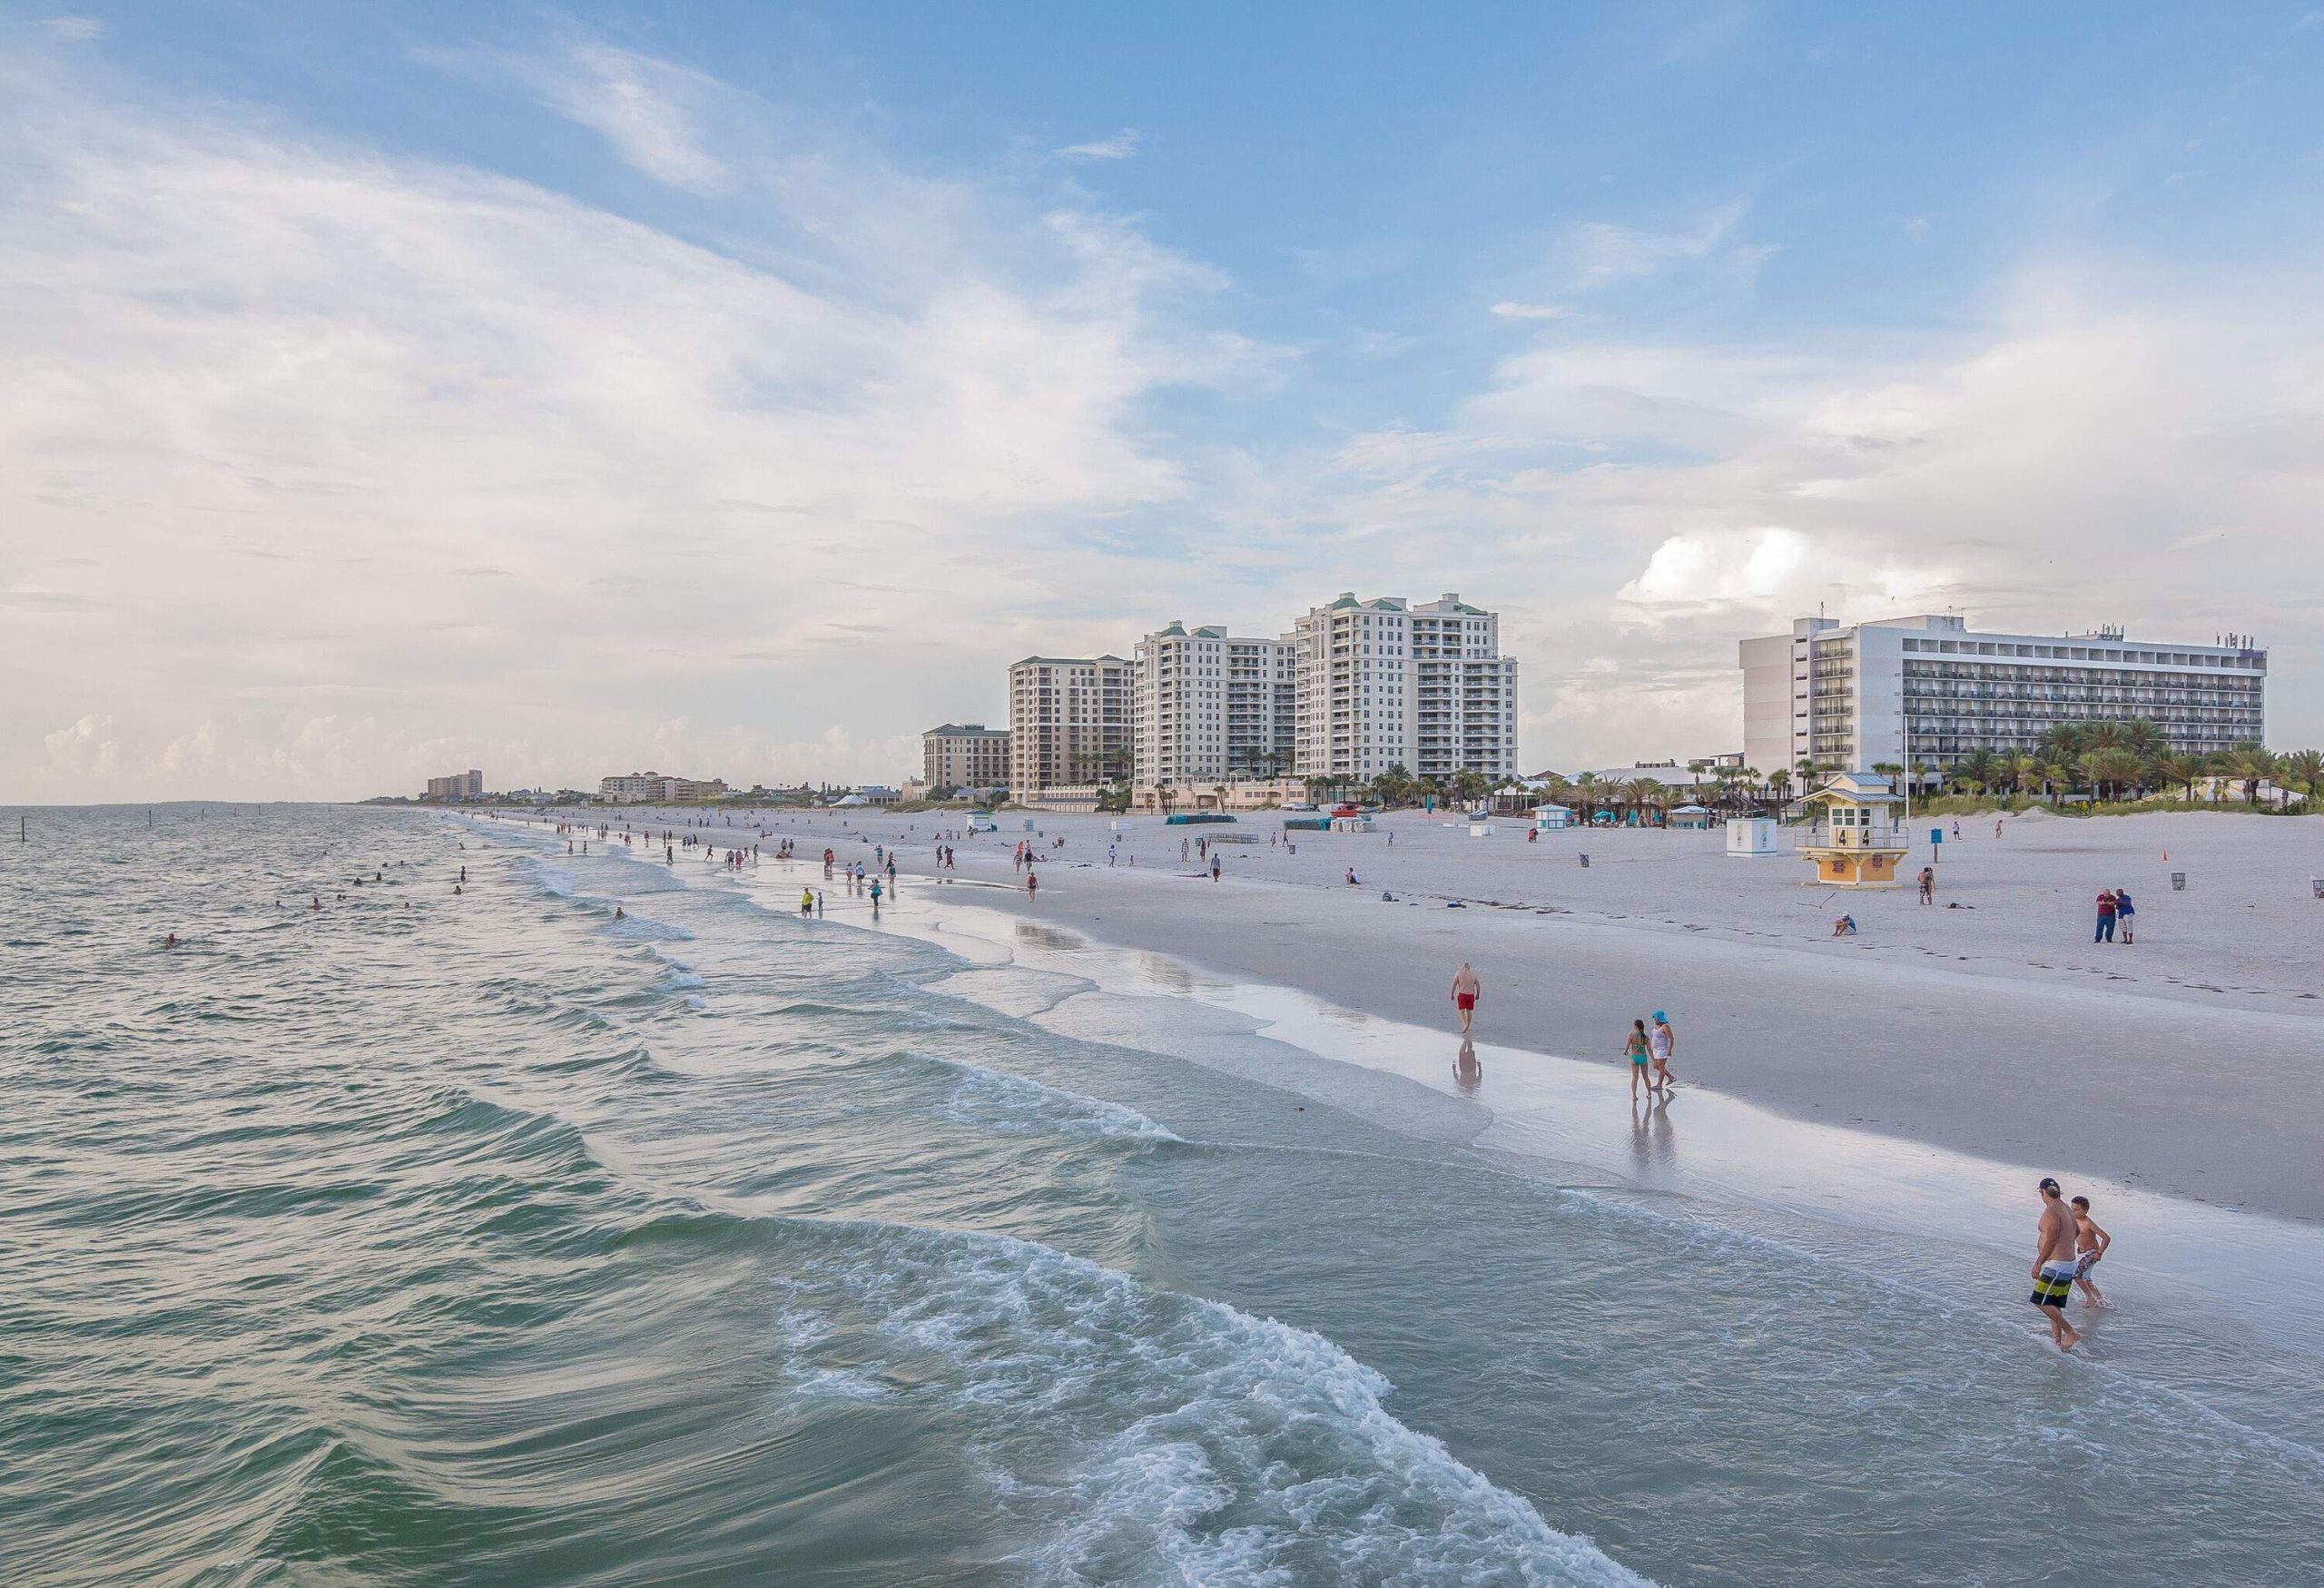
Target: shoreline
column 2218, row 1102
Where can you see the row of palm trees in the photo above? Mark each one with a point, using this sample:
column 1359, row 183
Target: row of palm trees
column 2124, row 760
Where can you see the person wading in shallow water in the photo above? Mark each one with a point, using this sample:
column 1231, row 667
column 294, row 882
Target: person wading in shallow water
column 1466, row 991
column 2053, row 1264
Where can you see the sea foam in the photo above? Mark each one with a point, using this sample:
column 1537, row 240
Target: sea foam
column 1136, row 1435
column 998, row 1101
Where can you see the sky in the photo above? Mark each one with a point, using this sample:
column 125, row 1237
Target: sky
column 734, row 389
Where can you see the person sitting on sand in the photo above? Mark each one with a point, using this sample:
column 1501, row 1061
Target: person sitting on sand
column 1844, row 927
column 2090, row 1244
column 1351, row 877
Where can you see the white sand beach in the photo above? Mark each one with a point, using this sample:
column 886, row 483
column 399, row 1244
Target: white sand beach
column 2189, row 1063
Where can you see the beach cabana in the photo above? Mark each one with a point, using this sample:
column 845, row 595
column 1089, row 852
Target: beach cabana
column 1753, row 838
column 1552, row 818
column 1688, row 816
column 1858, row 849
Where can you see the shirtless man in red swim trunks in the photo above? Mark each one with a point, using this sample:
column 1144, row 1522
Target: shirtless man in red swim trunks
column 1465, row 989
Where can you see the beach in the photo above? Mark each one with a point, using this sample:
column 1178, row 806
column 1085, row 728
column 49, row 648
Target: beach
column 2189, row 1063
column 529, row 1205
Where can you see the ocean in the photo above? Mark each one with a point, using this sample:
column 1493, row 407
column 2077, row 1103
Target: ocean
column 486, row 1238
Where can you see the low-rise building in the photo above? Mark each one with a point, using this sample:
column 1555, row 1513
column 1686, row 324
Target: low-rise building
column 964, row 756
column 639, row 788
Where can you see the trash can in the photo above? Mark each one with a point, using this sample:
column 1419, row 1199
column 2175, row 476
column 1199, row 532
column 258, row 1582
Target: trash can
column 2178, row 881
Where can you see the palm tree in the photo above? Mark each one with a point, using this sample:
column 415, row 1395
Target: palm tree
column 1978, row 767
column 2306, row 768
column 1806, row 768
column 1779, row 782
column 2106, row 734
column 2061, row 744
column 1585, row 789
column 2182, row 770
column 2109, row 767
column 2142, row 738
column 1640, row 793
column 2251, row 764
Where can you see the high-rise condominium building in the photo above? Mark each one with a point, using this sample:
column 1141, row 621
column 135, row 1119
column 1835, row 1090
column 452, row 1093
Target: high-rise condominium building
column 1069, row 722
column 1928, row 691
column 964, row 756
column 460, row 785
column 1384, row 683
column 1210, row 708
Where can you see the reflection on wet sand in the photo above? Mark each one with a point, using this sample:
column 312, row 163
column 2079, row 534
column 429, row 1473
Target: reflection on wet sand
column 1467, row 1073
column 1654, row 1146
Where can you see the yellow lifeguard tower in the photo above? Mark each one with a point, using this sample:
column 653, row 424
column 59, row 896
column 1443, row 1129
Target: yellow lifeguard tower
column 1857, row 851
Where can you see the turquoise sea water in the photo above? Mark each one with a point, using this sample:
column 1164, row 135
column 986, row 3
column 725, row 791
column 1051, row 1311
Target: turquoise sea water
column 426, row 1239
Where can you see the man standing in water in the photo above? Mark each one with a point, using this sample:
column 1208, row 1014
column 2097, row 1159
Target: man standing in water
column 2054, row 1265
column 1466, row 989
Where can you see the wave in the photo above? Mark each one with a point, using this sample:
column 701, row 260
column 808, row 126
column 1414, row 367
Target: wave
column 997, row 1100
column 1136, row 1435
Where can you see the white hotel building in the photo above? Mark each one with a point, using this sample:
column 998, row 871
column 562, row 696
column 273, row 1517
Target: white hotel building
column 1928, row 691
column 1384, row 683
column 1210, row 708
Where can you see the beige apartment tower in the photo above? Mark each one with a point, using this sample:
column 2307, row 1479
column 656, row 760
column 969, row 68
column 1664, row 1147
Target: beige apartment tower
column 1068, row 723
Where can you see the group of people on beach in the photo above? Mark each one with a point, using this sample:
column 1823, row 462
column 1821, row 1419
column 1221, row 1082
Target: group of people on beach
column 2116, row 911
column 1649, row 1052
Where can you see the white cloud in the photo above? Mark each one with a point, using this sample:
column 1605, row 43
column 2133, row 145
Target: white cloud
column 1597, row 254
column 1508, row 309
column 75, row 29
column 272, row 406
column 1120, row 146
column 650, row 112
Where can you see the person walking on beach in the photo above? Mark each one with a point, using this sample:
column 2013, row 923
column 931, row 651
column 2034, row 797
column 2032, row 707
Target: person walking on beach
column 1638, row 1053
column 1928, row 884
column 1032, row 885
column 2090, row 1244
column 1214, row 868
column 1466, row 991
column 2106, row 907
column 2054, row 1265
column 1662, row 1042
column 2125, row 916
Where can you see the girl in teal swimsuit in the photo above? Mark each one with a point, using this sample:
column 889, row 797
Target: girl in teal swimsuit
column 1638, row 1054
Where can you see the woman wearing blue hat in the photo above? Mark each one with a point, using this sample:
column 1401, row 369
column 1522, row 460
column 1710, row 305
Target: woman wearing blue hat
column 1662, row 1042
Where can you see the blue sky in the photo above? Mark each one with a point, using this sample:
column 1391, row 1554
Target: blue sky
column 785, row 371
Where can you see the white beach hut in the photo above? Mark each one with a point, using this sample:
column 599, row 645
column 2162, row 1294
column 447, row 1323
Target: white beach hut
column 1552, row 818
column 1753, row 838
column 1688, row 816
